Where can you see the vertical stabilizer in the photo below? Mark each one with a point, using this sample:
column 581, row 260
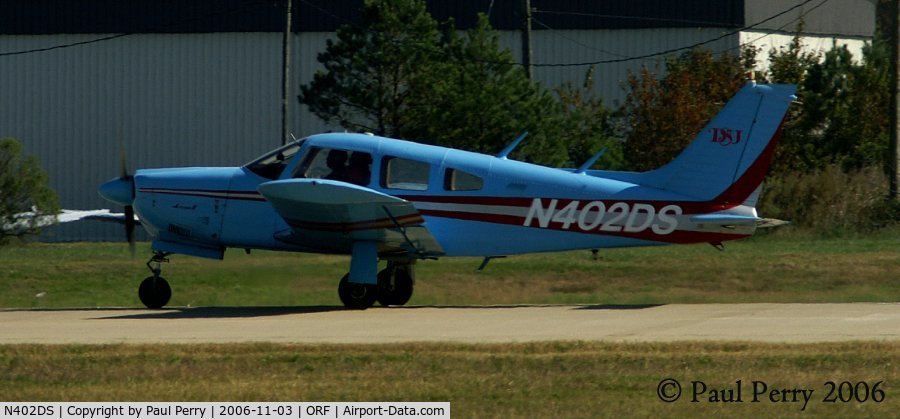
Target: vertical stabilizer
column 729, row 158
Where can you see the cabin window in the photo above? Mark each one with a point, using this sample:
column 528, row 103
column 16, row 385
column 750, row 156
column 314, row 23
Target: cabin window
column 399, row 173
column 457, row 180
column 336, row 164
column 271, row 164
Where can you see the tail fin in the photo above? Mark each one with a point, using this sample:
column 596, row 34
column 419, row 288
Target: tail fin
column 729, row 158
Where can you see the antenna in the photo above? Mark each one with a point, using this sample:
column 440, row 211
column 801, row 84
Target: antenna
column 512, row 146
column 590, row 162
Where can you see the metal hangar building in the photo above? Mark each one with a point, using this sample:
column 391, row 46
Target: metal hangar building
column 198, row 83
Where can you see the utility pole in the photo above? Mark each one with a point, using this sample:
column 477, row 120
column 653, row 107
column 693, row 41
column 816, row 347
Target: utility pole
column 526, row 39
column 895, row 106
column 285, row 75
column 887, row 19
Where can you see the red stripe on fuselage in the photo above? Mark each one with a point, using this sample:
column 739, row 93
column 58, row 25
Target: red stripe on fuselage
column 203, row 193
column 675, row 237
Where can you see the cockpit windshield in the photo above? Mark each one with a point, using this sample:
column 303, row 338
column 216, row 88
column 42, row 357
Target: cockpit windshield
column 271, row 164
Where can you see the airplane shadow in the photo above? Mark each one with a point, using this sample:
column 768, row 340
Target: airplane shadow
column 224, row 312
column 513, row 306
column 619, row 306
column 181, row 313
column 250, row 312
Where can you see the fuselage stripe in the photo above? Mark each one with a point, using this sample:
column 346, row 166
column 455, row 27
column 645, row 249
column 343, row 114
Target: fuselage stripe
column 236, row 195
column 497, row 210
column 677, row 236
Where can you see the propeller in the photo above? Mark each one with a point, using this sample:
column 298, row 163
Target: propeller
column 121, row 190
column 129, row 209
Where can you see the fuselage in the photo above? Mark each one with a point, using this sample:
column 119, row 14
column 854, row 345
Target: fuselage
column 392, row 201
column 473, row 204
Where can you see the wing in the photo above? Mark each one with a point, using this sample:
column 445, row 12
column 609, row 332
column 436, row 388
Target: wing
column 67, row 216
column 26, row 220
column 329, row 215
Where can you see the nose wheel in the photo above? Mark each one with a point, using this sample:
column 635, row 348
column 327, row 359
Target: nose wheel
column 155, row 291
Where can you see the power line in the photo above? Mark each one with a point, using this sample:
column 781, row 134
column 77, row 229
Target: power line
column 684, row 48
column 575, row 41
column 220, row 12
column 768, row 33
column 644, row 18
column 69, row 45
column 779, row 29
column 621, row 59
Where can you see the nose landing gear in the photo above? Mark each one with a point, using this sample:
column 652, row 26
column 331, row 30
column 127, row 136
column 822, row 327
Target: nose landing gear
column 155, row 291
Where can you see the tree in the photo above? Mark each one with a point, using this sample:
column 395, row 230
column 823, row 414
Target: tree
column 399, row 73
column 26, row 200
column 664, row 115
column 826, row 127
column 481, row 99
column 378, row 70
column 587, row 124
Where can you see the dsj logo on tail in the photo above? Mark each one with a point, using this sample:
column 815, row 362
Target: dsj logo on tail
column 596, row 216
column 726, row 136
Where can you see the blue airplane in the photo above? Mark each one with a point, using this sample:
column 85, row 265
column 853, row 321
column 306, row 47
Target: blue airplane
column 381, row 199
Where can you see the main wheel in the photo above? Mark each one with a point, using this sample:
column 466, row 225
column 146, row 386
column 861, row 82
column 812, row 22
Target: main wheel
column 395, row 286
column 357, row 296
column 155, row 292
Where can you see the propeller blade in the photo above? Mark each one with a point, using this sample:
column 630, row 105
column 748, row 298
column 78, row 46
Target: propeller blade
column 129, row 209
column 123, row 162
column 129, row 228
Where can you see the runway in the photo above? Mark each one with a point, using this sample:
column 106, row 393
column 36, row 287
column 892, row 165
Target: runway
column 792, row 323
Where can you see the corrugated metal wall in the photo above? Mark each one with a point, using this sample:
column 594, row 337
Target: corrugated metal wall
column 177, row 100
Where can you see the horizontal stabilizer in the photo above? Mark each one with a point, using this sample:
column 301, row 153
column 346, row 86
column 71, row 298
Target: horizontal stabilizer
column 726, row 220
column 771, row 222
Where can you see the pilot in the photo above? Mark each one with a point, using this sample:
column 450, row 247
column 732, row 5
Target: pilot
column 337, row 162
column 359, row 170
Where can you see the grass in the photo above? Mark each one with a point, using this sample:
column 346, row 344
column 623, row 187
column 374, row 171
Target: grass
column 553, row 379
column 568, row 379
column 775, row 268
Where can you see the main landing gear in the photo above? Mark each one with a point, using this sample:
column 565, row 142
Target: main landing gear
column 154, row 290
column 394, row 287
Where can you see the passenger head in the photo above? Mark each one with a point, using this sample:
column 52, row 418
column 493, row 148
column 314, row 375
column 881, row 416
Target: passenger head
column 360, row 159
column 336, row 159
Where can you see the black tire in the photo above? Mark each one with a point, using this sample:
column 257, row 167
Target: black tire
column 357, row 296
column 395, row 287
column 155, row 292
